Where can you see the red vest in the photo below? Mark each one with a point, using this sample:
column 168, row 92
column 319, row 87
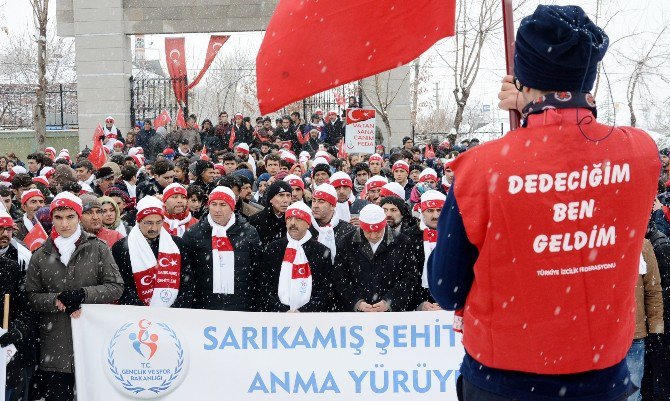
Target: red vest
column 558, row 221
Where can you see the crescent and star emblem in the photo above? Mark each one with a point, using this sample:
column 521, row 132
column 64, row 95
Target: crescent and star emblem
column 147, row 280
column 350, row 115
column 164, row 262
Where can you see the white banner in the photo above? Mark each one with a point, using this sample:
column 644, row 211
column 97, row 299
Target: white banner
column 360, row 131
column 127, row 352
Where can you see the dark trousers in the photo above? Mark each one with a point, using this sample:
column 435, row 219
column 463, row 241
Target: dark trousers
column 57, row 386
column 468, row 392
column 656, row 380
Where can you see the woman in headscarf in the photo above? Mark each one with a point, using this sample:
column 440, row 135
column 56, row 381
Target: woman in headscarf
column 111, row 217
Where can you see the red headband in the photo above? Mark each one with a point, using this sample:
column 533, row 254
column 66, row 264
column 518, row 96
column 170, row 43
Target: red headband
column 342, row 182
column 373, row 228
column 296, row 183
column 398, row 165
column 221, row 196
column 387, row 192
column 147, row 212
column 66, row 203
column 432, row 204
column 6, row 222
column 428, row 177
column 325, row 196
column 301, row 214
column 175, row 190
column 375, row 184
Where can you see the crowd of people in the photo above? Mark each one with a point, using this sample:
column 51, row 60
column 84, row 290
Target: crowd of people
column 193, row 220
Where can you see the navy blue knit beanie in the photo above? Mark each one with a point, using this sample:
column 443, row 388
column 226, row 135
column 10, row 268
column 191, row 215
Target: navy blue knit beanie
column 558, row 48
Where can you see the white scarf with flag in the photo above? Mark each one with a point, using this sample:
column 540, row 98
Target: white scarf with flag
column 156, row 279
column 295, row 278
column 223, row 257
column 429, row 242
column 327, row 233
column 177, row 226
column 28, row 223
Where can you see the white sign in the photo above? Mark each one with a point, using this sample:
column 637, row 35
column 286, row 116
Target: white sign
column 129, row 352
column 360, row 131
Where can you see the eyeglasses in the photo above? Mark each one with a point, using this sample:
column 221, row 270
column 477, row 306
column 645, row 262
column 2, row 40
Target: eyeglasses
column 6, row 229
column 518, row 85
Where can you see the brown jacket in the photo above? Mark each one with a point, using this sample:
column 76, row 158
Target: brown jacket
column 92, row 268
column 648, row 297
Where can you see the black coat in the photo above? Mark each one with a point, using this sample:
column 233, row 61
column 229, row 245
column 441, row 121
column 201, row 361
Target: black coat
column 270, row 227
column 390, row 274
column 421, row 294
column 318, row 256
column 661, row 245
column 341, row 229
column 149, row 187
column 247, row 250
column 130, row 297
column 21, row 319
column 334, row 131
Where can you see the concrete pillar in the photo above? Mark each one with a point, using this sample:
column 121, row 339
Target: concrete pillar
column 104, row 66
column 400, row 106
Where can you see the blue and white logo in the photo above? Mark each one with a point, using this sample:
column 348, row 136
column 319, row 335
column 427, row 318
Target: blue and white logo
column 146, row 360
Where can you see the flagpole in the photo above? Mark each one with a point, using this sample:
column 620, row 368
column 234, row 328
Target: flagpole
column 508, row 29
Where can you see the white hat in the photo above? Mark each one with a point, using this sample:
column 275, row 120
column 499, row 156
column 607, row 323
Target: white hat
column 288, row 156
column 174, row 189
column 428, row 174
column 393, row 189
column 322, row 153
column 223, row 194
column 319, row 160
column 341, row 179
column 68, row 200
column 304, row 156
column 242, row 147
column 375, row 157
column 326, row 192
column 372, row 218
column 147, row 206
column 432, row 199
column 135, row 151
column 300, row 210
column 6, row 219
column 294, row 181
column 376, row 181
column 85, row 188
column 17, row 170
column 47, row 171
column 400, row 164
column 31, row 193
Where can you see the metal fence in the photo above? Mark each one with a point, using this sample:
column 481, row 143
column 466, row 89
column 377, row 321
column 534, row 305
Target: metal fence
column 327, row 101
column 17, row 103
column 150, row 96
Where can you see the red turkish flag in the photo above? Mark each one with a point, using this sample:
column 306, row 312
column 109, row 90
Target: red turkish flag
column 35, row 237
column 358, row 115
column 175, row 57
column 233, row 136
column 163, row 119
column 371, row 35
column 203, row 154
column 215, row 43
column 181, row 122
column 97, row 155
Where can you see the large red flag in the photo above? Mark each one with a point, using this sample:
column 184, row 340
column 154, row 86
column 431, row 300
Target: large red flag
column 181, row 122
column 311, row 46
column 163, row 119
column 97, row 156
column 175, row 57
column 215, row 43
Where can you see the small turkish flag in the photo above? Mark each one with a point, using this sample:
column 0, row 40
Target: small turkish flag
column 233, row 136
column 181, row 122
column 163, row 119
column 35, row 238
column 358, row 115
column 97, row 156
column 203, row 154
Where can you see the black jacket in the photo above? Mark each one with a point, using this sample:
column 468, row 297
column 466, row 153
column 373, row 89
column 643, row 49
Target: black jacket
column 341, row 229
column 661, row 245
column 420, row 294
column 247, row 249
column 270, row 227
column 334, row 131
column 390, row 274
column 318, row 256
column 130, row 297
column 13, row 282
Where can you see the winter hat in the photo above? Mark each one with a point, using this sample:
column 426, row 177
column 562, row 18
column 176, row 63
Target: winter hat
column 304, row 156
column 201, row 166
column 42, row 180
column 239, row 115
column 64, row 154
column 376, row 158
column 138, row 159
column 428, row 174
column 67, row 200
column 341, row 179
column 376, row 181
column 406, row 139
column 318, row 111
column 326, row 192
column 432, row 199
column 17, row 170
column 294, row 181
column 288, row 156
column 173, row 189
column 372, row 218
column 85, row 188
column 277, row 187
column 47, row 172
column 558, row 48
column 399, row 203
column 135, row 151
column 319, row 160
column 225, row 194
column 220, row 168
column 393, row 189
column 6, row 219
column 89, row 202
column 147, row 206
column 115, row 168
column 242, row 148
column 299, row 210
column 5, row 180
column 169, row 153
column 51, row 152
column 263, row 177
column 400, row 164
column 104, row 172
column 332, row 113
column 31, row 193
column 321, row 167
column 323, row 154
column 246, row 173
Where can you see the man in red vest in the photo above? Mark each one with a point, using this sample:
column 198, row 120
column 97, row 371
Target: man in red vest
column 540, row 238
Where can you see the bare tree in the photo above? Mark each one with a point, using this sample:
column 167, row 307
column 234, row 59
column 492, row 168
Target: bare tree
column 647, row 66
column 41, row 17
column 381, row 95
column 476, row 23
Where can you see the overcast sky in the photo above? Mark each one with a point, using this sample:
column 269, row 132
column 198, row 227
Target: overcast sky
column 640, row 16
